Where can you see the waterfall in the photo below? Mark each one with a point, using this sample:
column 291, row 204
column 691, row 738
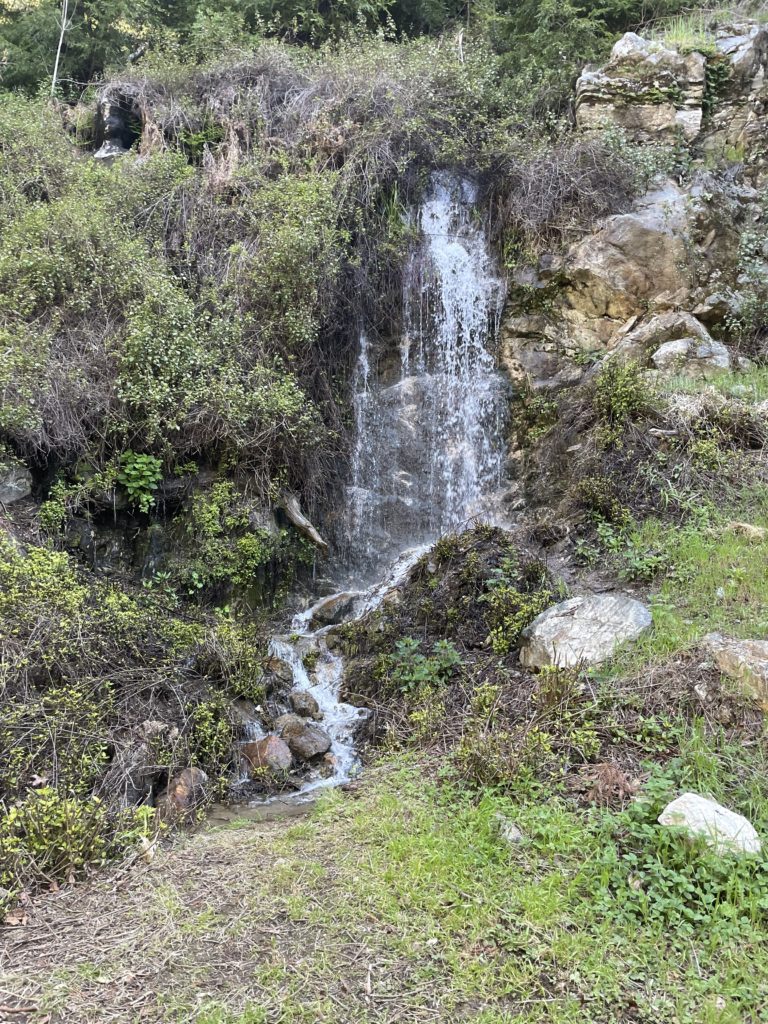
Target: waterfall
column 429, row 435
column 428, row 454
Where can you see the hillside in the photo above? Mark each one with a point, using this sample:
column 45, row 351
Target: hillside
column 383, row 512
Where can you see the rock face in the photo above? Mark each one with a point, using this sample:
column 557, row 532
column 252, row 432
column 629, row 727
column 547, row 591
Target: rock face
column 654, row 93
column 746, row 661
column 304, row 740
column 657, row 94
column 15, row 483
column 270, row 752
column 632, row 258
column 583, row 630
column 724, row 830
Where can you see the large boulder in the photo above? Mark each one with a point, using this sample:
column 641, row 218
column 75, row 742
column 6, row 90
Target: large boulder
column 651, row 91
column 613, row 273
column 584, row 630
column 692, row 357
column 746, row 661
column 722, row 829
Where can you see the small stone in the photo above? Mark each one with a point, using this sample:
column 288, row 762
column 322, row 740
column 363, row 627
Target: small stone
column 270, row 752
column 509, row 831
column 722, row 829
column 304, row 704
column 756, row 534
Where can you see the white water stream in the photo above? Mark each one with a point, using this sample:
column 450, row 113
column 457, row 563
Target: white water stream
column 429, row 444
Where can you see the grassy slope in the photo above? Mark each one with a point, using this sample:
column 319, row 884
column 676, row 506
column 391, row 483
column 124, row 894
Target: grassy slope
column 399, row 902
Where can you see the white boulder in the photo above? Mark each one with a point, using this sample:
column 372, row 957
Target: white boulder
column 584, row 630
column 722, row 829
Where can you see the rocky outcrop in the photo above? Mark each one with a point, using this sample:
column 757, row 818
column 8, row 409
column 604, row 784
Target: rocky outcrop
column 745, row 661
column 721, row 829
column 584, row 631
column 656, row 93
column 739, row 119
column 651, row 91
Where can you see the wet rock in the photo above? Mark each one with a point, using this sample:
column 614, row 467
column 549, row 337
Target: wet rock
column 289, row 503
column 185, row 792
column 15, row 482
column 270, row 752
column 746, row 661
column 281, row 669
column 722, row 829
column 305, row 705
column 583, row 630
column 334, row 610
column 305, row 741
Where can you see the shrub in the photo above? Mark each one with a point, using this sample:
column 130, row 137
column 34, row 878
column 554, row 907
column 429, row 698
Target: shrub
column 49, row 838
column 515, row 595
column 620, row 395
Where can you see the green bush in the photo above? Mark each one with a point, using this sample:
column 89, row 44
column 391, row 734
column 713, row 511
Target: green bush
column 620, row 395
column 49, row 838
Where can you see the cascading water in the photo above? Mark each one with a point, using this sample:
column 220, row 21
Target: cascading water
column 429, row 442
column 429, row 449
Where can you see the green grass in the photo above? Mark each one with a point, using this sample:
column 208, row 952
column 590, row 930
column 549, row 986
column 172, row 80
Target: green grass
column 403, row 903
column 713, row 579
column 687, row 32
column 750, row 387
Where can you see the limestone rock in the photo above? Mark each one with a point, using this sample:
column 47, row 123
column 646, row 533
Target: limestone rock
column 654, row 332
column 739, row 118
column 692, row 357
column 305, row 705
column 583, row 630
column 722, row 829
column 305, row 741
column 651, row 91
column 270, row 752
column 746, row 661
column 15, row 482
